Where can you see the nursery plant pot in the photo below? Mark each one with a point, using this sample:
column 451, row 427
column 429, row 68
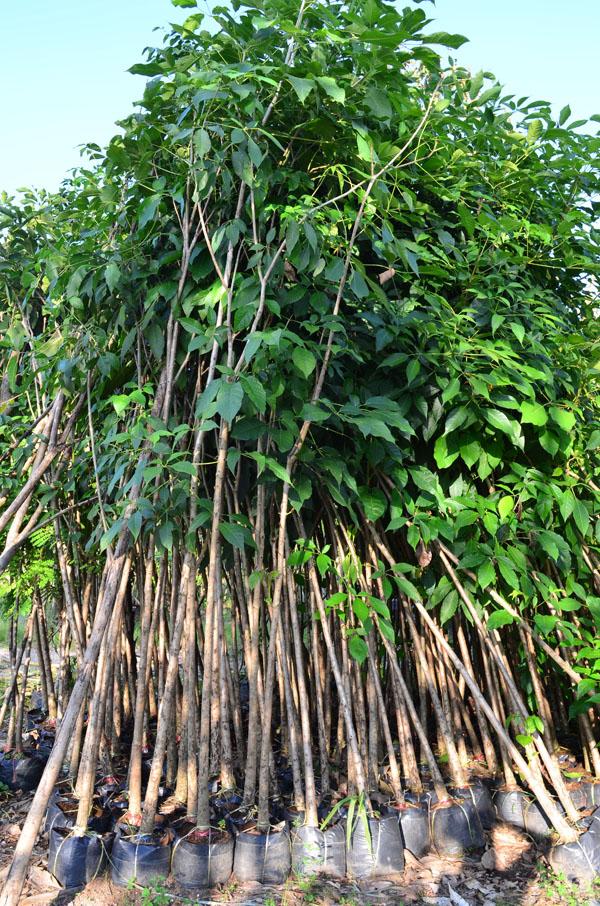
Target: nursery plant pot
column 316, row 851
column 262, row 857
column 580, row 861
column 413, row 819
column 62, row 812
column 141, row 859
column 455, row 828
column 480, row 796
column 591, row 788
column 519, row 808
column 75, row 861
column 22, row 772
column 378, row 852
column 202, row 859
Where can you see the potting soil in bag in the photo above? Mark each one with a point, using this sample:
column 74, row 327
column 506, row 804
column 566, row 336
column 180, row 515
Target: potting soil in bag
column 63, row 812
column 138, row 858
column 265, row 858
column 75, row 861
column 316, row 851
column 455, row 828
column 377, row 852
column 202, row 860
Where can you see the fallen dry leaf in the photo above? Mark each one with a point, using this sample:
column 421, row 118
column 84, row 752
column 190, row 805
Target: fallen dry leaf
column 386, row 275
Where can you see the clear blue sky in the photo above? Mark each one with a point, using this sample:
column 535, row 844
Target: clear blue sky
column 64, row 82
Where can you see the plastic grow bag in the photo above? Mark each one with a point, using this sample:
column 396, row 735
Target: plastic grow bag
column 455, row 828
column 139, row 858
column 75, row 861
column 578, row 794
column 378, row 853
column 579, row 861
column 414, row 828
column 592, row 792
column 265, row 858
column 204, row 863
column 100, row 819
column 479, row 795
column 319, row 852
column 23, row 773
column 520, row 809
column 34, row 717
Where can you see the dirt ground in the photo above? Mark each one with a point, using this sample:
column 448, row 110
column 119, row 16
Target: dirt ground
column 511, row 872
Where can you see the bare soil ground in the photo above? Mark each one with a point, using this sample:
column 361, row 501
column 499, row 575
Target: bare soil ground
column 511, row 872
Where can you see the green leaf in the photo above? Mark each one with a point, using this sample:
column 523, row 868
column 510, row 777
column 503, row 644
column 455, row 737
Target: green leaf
column 518, row 330
column 304, row 361
column 534, row 130
column 337, row 598
column 229, row 400
column 499, row 618
column 331, row 87
column 302, row 87
column 486, row 574
column 378, row 103
column 277, row 469
column 165, row 534
column 134, row 524
column 594, row 441
column 387, row 631
column 203, row 406
column 374, row 503
column 470, row 452
column 407, row 587
column 120, row 403
column 563, row 418
column 505, row 506
column 568, row 605
column 414, row 367
column 545, row 623
column 183, row 467
column 186, row 4
column 503, row 423
column 112, row 275
column 361, row 610
column 202, row 143
column 109, row 536
column 533, row 414
column 237, row 535
column 255, row 391
column 448, row 40
column 365, row 148
column 564, row 115
column 442, row 456
column 147, row 210
column 358, row 648
column 449, row 606
column 369, row 426
column 456, row 418
column 549, row 442
column 75, row 281
column 508, row 573
column 581, row 516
